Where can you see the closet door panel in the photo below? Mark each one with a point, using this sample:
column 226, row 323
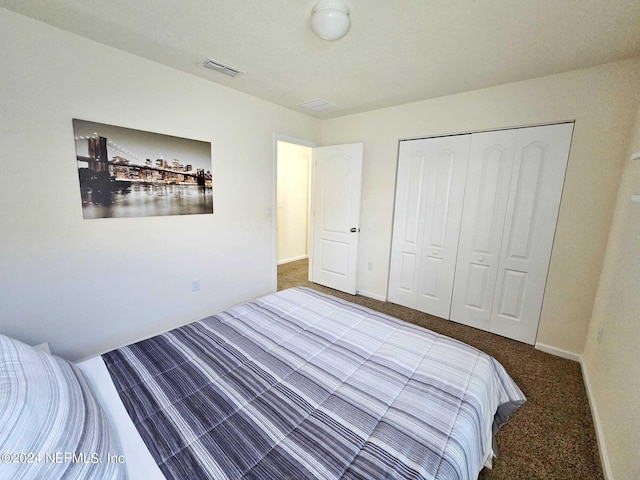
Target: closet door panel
column 475, row 289
column 408, row 271
column 428, row 233
column 445, row 180
column 430, row 280
column 407, row 225
column 540, row 163
column 485, row 204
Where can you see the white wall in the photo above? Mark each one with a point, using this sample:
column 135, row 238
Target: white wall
column 293, row 201
column 611, row 359
column 90, row 285
column 602, row 101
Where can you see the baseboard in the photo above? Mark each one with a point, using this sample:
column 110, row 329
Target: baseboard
column 294, row 259
column 558, row 352
column 375, row 296
column 604, row 457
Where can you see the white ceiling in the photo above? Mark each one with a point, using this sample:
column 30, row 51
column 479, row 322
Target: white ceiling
column 397, row 51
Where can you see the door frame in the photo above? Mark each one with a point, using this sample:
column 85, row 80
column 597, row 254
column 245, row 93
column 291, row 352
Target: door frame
column 273, row 210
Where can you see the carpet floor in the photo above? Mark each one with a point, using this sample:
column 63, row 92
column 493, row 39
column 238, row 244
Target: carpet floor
column 552, row 435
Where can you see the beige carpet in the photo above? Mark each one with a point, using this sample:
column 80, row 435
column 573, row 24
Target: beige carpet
column 551, row 436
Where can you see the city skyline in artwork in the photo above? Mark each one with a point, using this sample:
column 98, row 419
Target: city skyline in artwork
column 132, row 173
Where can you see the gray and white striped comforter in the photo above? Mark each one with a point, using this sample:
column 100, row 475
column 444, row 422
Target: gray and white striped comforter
column 303, row 385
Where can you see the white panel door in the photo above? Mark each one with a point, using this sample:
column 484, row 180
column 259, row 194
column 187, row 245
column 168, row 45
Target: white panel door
column 429, row 194
column 534, row 200
column 485, row 205
column 337, row 183
column 407, row 224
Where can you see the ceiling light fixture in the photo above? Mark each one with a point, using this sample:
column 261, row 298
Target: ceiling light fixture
column 330, row 19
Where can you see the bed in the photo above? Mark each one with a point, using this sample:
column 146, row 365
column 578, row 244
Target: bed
column 297, row 384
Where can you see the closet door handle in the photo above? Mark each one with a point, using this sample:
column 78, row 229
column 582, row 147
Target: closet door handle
column 481, row 259
column 354, row 229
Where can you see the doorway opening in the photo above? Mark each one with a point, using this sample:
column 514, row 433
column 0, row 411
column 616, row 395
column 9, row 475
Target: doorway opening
column 293, row 187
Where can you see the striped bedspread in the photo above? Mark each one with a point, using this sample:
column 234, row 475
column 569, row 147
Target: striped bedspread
column 303, row 385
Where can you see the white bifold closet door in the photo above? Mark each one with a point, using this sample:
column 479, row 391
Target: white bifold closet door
column 509, row 219
column 430, row 189
column 485, row 205
column 501, row 240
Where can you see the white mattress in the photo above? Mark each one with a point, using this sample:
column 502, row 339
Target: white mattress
column 139, row 462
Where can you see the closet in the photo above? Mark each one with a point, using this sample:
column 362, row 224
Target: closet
column 475, row 216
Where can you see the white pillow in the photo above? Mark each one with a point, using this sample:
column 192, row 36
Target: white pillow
column 51, row 427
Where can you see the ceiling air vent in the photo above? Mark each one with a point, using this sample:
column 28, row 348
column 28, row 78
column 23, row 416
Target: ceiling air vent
column 221, row 68
column 317, row 105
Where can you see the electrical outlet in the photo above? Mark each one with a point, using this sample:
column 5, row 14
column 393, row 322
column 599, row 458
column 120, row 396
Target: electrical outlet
column 600, row 334
column 370, row 266
column 195, row 285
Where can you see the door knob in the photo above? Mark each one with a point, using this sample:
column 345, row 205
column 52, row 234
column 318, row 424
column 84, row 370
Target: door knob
column 354, row 229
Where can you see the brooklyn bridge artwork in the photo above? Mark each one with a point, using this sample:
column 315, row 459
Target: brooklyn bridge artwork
column 133, row 173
